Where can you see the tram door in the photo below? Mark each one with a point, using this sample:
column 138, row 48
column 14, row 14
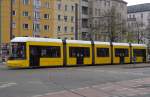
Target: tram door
column 80, row 56
column 144, row 55
column 34, row 56
column 121, row 53
column 122, row 58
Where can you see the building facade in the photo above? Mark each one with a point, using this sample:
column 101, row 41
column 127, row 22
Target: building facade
column 84, row 19
column 40, row 18
column 139, row 22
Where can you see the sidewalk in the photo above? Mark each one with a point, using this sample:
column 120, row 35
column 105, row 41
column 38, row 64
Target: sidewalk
column 130, row 88
column 138, row 65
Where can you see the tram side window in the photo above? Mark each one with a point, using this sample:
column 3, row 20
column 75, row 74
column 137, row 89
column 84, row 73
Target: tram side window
column 102, row 52
column 139, row 52
column 74, row 51
column 86, row 52
column 50, row 52
column 121, row 52
column 18, row 51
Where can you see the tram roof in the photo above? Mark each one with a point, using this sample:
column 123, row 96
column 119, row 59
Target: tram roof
column 144, row 45
column 121, row 44
column 105, row 43
column 78, row 41
column 35, row 39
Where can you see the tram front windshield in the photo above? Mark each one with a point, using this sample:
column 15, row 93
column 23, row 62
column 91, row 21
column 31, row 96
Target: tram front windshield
column 17, row 51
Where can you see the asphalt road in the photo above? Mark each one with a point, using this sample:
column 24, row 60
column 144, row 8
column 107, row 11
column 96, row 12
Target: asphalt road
column 39, row 82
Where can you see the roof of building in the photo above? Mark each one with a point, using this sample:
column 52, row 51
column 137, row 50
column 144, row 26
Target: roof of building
column 139, row 8
column 121, row 1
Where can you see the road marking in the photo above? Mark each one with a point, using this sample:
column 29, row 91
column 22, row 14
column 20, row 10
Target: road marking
column 38, row 96
column 48, row 94
column 5, row 85
column 80, row 89
column 55, row 93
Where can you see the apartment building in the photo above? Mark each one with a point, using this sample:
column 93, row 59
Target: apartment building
column 84, row 19
column 139, row 22
column 37, row 18
column 40, row 18
column 67, row 13
column 102, row 13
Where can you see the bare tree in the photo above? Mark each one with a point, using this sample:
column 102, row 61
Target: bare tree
column 135, row 30
column 110, row 25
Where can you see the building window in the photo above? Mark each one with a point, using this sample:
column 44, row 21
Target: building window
column 47, row 5
column 65, row 18
column 25, row 26
column 72, row 8
column 46, row 27
column 72, row 18
column 59, row 29
column 37, row 3
column 13, row 25
column 13, row 1
column 133, row 16
column 37, row 15
column 36, row 27
column 65, row 29
column 59, row 17
column 25, row 13
column 25, row 2
column 13, row 12
column 72, row 29
column 141, row 15
column 46, row 16
column 66, row 7
column 59, row 6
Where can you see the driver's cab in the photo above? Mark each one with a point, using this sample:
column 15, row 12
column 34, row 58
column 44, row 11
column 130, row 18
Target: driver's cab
column 17, row 56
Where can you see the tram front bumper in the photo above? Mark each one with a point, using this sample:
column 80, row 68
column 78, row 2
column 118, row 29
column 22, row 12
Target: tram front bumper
column 17, row 64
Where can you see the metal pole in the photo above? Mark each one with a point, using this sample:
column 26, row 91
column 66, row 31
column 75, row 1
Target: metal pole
column 76, row 22
column 11, row 19
column 0, row 32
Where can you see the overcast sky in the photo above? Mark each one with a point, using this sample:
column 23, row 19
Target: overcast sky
column 134, row 2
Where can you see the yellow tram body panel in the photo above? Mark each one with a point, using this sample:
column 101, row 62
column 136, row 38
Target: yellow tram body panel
column 44, row 62
column 51, row 62
column 102, row 60
column 116, row 59
column 139, row 59
column 72, row 61
column 17, row 63
column 71, row 52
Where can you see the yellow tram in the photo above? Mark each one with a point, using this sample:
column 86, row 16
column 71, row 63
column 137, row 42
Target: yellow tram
column 46, row 52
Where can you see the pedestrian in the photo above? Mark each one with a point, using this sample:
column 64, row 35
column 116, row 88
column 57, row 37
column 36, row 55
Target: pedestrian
column 134, row 59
